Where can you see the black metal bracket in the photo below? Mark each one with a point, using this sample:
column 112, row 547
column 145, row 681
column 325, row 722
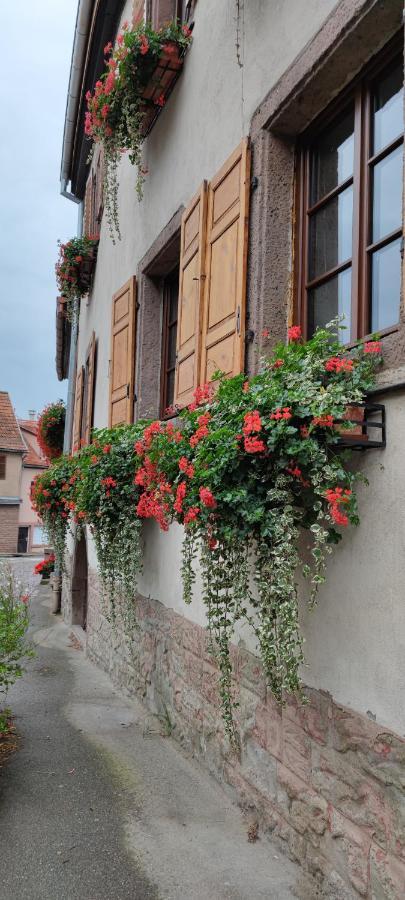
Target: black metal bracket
column 254, row 183
column 249, row 336
column 370, row 433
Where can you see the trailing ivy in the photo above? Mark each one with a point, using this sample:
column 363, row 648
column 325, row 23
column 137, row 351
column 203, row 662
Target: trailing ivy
column 247, row 470
column 51, row 427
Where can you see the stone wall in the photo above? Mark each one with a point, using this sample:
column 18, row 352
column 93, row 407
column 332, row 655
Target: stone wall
column 324, row 781
column 8, row 529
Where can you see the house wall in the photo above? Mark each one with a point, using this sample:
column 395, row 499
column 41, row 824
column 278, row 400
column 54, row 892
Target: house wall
column 10, row 486
column 328, row 780
column 8, row 529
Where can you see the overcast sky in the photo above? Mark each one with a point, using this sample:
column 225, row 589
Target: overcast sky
column 36, row 53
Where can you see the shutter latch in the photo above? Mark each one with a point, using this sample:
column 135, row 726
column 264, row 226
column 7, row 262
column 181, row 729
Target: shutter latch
column 127, row 390
column 238, row 320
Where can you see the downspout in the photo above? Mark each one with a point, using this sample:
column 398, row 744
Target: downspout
column 83, row 19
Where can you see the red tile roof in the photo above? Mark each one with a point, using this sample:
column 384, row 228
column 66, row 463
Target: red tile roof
column 10, row 434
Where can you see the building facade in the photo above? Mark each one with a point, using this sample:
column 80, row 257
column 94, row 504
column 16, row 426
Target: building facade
column 31, row 537
column 273, row 195
column 12, row 451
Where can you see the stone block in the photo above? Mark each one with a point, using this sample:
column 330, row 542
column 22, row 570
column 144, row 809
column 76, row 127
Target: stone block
column 354, row 843
column 296, row 754
column 387, row 876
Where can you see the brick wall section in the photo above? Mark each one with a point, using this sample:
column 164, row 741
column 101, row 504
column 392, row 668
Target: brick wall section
column 8, row 529
column 325, row 782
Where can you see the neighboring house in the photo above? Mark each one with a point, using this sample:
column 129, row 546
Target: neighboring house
column 31, row 538
column 12, row 452
column 274, row 196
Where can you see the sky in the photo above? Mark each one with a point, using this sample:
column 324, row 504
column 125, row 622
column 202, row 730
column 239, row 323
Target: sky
column 36, row 53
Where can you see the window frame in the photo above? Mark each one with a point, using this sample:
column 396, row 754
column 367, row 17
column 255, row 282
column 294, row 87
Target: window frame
column 3, row 466
column 358, row 94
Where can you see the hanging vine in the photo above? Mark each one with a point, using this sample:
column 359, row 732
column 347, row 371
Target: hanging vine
column 247, row 471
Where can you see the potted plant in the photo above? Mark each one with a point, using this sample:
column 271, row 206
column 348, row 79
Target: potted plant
column 141, row 72
column 51, row 429
column 45, row 567
column 74, row 269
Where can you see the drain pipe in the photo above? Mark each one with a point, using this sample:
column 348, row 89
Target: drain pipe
column 82, row 27
column 70, row 405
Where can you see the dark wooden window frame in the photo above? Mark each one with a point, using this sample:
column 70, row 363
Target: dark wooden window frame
column 183, row 10
column 3, row 466
column 359, row 93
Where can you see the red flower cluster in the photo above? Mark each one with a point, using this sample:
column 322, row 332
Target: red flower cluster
column 254, row 445
column 186, row 467
column 372, row 347
column 252, row 422
column 45, row 567
column 202, row 394
column 294, row 333
column 278, row 363
column 207, row 498
column 202, row 430
column 282, row 413
column 323, row 421
column 335, row 498
column 180, row 495
column 336, row 364
column 153, row 503
column 191, row 515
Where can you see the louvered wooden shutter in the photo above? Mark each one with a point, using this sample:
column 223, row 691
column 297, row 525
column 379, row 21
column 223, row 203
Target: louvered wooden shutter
column 77, row 424
column 223, row 340
column 90, row 371
column 99, row 199
column 191, row 288
column 122, row 362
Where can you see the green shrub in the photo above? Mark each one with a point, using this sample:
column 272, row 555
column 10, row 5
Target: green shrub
column 14, row 621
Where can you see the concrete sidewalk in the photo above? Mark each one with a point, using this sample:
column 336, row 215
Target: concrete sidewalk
column 98, row 805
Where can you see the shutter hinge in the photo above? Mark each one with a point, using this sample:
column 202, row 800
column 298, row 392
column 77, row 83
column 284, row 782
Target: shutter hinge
column 238, row 320
column 249, row 337
column 402, row 246
column 127, row 390
column 254, row 183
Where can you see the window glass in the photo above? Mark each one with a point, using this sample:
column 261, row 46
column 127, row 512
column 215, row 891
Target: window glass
column 331, row 299
column 330, row 239
column 388, row 108
column 386, row 286
column 387, row 194
column 332, row 157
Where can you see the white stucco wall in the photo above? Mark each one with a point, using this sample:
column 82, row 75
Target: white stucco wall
column 355, row 638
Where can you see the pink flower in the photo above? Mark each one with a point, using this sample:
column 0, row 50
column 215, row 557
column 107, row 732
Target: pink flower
column 265, row 333
column 120, row 40
column 324, row 421
column 105, row 110
column 278, row 363
column 186, row 467
column 160, row 101
column 191, row 515
column 144, row 44
column 108, row 48
column 254, row 445
column 252, row 422
column 294, row 333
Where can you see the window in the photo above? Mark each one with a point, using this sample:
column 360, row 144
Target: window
column 39, row 536
column 2, row 466
column 351, row 208
column 169, row 337
column 93, row 201
column 160, row 12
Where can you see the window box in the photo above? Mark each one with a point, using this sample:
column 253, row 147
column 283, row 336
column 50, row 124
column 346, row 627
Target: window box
column 161, row 83
column 367, row 429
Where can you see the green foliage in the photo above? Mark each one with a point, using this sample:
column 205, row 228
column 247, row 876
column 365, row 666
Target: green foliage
column 14, row 621
column 247, row 470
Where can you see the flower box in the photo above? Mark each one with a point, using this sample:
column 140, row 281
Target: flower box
column 86, row 268
column 367, row 427
column 160, row 84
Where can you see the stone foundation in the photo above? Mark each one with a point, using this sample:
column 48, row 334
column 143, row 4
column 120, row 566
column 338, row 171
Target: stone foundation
column 324, row 781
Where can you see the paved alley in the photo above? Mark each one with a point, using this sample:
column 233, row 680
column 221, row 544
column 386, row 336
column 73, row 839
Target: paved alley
column 98, row 805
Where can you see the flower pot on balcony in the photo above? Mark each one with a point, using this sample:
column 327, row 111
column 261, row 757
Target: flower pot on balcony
column 357, row 432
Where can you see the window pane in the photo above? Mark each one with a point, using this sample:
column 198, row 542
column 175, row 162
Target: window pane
column 387, row 195
column 39, row 535
column 332, row 157
column 386, row 286
column 171, row 349
column 388, row 109
column 170, row 388
column 330, row 234
column 330, row 300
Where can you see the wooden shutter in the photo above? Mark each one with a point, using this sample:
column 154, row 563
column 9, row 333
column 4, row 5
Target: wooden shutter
column 191, row 288
column 99, row 198
column 77, row 423
column 89, row 380
column 223, row 341
column 122, row 362
column 138, row 10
